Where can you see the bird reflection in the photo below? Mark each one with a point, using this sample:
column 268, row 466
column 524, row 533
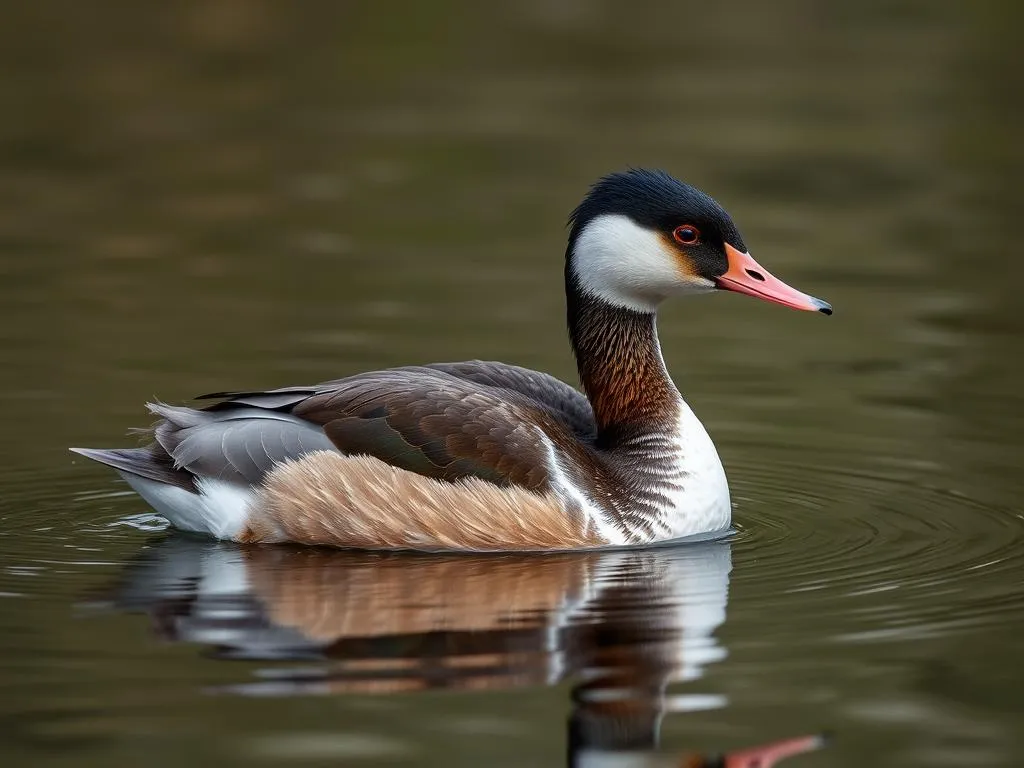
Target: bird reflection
column 620, row 626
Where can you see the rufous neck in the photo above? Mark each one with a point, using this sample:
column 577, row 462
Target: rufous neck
column 620, row 364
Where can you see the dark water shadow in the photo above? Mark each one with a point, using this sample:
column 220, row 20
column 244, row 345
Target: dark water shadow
column 618, row 627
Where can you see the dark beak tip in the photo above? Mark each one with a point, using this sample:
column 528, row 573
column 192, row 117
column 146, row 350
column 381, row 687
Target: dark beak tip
column 823, row 306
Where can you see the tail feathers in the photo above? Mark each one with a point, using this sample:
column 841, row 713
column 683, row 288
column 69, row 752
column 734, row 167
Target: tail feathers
column 207, row 506
column 175, row 420
column 141, row 462
column 178, row 415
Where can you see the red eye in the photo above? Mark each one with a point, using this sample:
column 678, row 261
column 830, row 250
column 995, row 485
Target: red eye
column 686, row 234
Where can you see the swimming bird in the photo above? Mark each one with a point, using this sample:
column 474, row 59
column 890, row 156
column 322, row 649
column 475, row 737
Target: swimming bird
column 482, row 455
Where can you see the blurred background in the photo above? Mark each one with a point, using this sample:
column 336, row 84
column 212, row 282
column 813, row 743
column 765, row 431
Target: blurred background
column 221, row 194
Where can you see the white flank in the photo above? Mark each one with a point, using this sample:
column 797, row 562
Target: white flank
column 700, row 505
column 626, row 265
column 572, row 496
column 219, row 509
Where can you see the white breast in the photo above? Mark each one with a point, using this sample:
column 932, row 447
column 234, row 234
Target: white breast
column 701, row 504
column 688, row 472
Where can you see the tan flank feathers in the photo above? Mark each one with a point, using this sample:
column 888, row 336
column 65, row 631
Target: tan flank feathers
column 360, row 501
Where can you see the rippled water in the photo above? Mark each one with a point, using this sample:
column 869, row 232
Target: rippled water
column 220, row 195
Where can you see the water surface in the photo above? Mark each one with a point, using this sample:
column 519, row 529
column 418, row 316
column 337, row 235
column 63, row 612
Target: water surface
column 225, row 195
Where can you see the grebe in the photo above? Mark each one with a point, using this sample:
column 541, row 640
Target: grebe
column 484, row 455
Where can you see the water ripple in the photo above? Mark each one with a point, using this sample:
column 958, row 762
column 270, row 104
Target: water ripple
column 832, row 535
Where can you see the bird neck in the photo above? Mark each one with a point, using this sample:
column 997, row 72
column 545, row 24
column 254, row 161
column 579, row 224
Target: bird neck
column 620, row 364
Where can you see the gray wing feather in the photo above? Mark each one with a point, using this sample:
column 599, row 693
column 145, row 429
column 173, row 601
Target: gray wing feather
column 271, row 401
column 239, row 445
column 274, row 399
column 245, row 435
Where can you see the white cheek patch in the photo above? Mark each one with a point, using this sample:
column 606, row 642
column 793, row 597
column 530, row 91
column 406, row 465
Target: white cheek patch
column 627, row 265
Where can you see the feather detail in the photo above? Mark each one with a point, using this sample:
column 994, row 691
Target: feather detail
column 360, row 501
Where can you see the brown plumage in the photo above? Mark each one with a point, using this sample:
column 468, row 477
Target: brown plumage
column 360, row 501
column 620, row 365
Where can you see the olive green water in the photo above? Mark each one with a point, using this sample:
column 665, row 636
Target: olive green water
column 216, row 195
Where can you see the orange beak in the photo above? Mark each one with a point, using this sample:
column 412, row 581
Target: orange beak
column 747, row 276
column 770, row 754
